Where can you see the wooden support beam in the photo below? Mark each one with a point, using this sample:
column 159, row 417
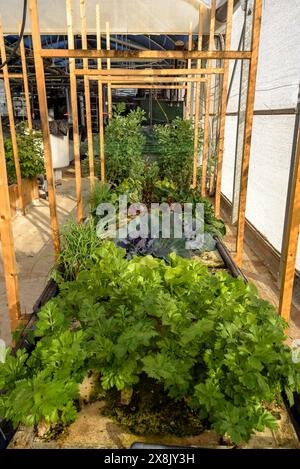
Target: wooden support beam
column 145, row 54
column 197, row 103
column 189, row 85
column 207, row 102
column 74, row 105
column 147, row 79
column 25, row 82
column 223, row 110
column 87, row 97
column 151, row 87
column 124, row 72
column 7, row 243
column 248, row 130
column 109, row 93
column 11, row 118
column 42, row 96
column 289, row 252
column 100, row 99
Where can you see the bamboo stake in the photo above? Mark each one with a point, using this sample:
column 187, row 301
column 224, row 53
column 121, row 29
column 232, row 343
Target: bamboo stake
column 109, row 93
column 21, row 202
column 207, row 101
column 41, row 89
column 121, row 72
column 87, row 99
column 223, row 110
column 197, row 103
column 7, row 243
column 189, row 86
column 73, row 90
column 100, row 99
column 248, row 129
column 291, row 242
column 25, row 82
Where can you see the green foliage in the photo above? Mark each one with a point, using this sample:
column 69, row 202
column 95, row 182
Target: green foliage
column 167, row 191
column 124, row 144
column 30, row 156
column 206, row 338
column 176, row 150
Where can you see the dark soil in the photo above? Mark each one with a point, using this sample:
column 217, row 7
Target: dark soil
column 151, row 411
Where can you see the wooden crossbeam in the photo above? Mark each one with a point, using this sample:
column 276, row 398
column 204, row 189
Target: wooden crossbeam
column 146, row 79
column 150, row 71
column 151, row 87
column 145, row 54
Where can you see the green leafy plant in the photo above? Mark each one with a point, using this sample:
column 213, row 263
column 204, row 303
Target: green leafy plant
column 30, row 153
column 167, row 191
column 176, row 150
column 206, row 338
column 124, row 143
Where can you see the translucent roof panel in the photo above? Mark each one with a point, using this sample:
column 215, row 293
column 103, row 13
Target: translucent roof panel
column 124, row 16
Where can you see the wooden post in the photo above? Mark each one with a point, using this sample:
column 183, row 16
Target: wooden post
column 41, row 89
column 248, row 130
column 87, row 99
column 289, row 251
column 109, row 93
column 10, row 110
column 197, row 103
column 25, row 82
column 207, row 101
column 223, row 109
column 189, row 85
column 7, row 243
column 100, row 99
column 73, row 91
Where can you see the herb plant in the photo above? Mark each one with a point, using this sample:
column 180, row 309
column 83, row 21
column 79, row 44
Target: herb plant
column 124, row 143
column 206, row 338
column 30, row 156
column 176, row 150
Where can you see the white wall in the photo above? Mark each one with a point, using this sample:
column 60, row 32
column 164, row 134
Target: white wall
column 277, row 88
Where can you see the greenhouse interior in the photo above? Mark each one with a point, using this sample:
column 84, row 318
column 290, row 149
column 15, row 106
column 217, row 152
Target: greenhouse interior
column 149, row 225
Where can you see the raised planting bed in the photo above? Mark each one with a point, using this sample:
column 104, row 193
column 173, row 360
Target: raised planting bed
column 110, row 415
column 31, row 194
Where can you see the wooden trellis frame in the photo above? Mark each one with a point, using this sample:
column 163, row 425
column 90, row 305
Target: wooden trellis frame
column 111, row 79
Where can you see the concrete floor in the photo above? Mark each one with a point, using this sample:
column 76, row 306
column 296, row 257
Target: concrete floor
column 34, row 249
